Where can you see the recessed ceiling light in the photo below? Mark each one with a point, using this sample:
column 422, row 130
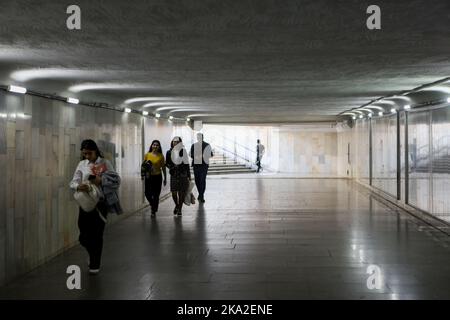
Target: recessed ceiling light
column 127, row 110
column 73, row 100
column 380, row 113
column 188, row 119
column 17, row 89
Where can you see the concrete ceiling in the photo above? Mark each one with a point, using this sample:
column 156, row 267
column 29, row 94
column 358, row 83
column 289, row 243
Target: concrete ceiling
column 226, row 61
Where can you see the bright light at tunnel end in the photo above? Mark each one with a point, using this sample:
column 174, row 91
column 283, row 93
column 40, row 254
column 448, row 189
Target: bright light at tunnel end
column 158, row 115
column 448, row 100
column 127, row 110
column 407, row 107
column 145, row 113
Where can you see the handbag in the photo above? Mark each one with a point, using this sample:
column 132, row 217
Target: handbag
column 88, row 200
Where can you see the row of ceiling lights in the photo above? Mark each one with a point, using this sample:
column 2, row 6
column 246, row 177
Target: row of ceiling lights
column 380, row 113
column 22, row 90
column 439, row 85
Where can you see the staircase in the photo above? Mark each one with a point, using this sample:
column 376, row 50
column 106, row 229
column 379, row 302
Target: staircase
column 439, row 165
column 221, row 164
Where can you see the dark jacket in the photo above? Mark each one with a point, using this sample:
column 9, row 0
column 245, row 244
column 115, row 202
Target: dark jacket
column 204, row 146
column 181, row 169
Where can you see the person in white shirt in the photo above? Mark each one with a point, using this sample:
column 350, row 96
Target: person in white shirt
column 91, row 224
column 259, row 154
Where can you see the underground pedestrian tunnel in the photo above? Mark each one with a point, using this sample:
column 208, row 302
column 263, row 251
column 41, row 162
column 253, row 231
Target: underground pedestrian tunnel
column 352, row 200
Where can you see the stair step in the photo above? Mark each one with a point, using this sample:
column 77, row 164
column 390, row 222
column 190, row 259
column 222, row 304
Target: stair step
column 229, row 172
column 232, row 170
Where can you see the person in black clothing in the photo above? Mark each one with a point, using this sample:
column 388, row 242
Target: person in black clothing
column 91, row 224
column 180, row 174
column 259, row 153
column 200, row 154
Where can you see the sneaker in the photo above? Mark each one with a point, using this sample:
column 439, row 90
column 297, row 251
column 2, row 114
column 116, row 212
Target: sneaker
column 94, row 271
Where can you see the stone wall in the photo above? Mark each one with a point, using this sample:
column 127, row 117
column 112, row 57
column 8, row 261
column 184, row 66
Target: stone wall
column 39, row 151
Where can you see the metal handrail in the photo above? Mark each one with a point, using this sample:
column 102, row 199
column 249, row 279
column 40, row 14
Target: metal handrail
column 235, row 154
column 238, row 144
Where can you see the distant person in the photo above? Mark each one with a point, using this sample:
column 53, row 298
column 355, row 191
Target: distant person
column 152, row 170
column 259, row 154
column 95, row 173
column 180, row 173
column 200, row 154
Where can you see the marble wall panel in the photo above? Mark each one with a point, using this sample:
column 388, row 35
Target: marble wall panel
column 38, row 155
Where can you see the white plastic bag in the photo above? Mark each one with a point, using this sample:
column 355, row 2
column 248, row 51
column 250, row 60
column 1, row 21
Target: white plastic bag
column 88, row 200
column 189, row 196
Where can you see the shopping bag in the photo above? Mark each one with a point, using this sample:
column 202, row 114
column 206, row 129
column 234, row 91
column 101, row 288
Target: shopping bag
column 189, row 195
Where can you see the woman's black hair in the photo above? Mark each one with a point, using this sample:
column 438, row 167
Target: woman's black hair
column 160, row 148
column 89, row 144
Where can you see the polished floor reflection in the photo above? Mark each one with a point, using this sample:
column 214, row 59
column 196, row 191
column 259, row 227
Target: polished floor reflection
column 259, row 238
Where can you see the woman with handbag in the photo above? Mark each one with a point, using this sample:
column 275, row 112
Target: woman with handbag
column 154, row 168
column 180, row 173
column 87, row 179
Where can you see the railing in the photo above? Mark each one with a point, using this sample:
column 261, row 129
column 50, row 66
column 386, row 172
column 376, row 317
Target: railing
column 234, row 155
column 423, row 158
column 238, row 144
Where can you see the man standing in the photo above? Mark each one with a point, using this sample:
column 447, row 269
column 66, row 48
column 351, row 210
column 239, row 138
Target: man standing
column 200, row 154
column 259, row 153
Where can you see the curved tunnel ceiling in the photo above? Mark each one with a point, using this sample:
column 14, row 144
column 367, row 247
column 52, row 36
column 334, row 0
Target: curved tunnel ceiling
column 226, row 61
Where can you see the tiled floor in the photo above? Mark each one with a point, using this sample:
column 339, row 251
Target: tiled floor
column 260, row 238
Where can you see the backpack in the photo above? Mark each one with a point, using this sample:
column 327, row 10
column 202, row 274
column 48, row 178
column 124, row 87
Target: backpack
column 146, row 169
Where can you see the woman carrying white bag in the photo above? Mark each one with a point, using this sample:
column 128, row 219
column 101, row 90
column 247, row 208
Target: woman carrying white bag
column 90, row 183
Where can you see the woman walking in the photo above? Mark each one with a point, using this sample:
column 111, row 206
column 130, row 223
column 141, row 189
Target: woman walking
column 154, row 161
column 180, row 174
column 94, row 170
